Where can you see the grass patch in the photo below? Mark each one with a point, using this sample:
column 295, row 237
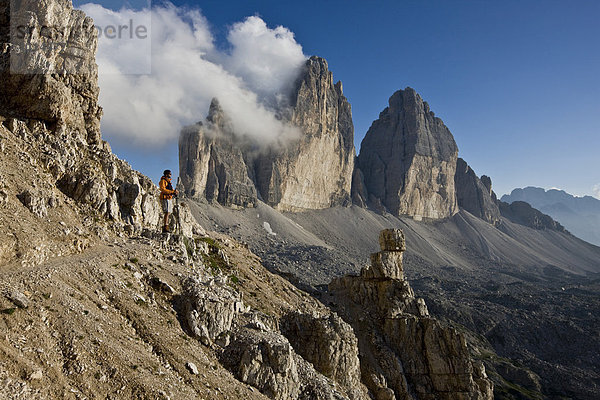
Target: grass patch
column 215, row 263
column 189, row 246
column 134, row 260
column 508, row 389
column 210, row 241
column 8, row 311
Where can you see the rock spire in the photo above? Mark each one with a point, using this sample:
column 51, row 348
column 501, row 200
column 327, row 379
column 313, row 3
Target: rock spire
column 313, row 172
column 408, row 160
column 475, row 195
column 405, row 353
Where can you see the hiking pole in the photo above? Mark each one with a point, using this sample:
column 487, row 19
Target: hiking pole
column 176, row 215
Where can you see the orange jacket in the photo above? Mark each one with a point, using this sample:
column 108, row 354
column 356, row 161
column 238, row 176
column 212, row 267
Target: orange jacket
column 164, row 192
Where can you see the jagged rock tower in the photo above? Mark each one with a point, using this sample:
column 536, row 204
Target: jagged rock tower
column 211, row 162
column 316, row 171
column 475, row 195
column 312, row 172
column 405, row 353
column 407, row 161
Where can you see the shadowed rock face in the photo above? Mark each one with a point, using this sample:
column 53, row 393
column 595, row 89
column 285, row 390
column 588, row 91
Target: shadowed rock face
column 212, row 164
column 522, row 213
column 313, row 172
column 408, row 160
column 475, row 195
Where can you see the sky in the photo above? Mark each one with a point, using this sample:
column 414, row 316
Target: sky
column 516, row 82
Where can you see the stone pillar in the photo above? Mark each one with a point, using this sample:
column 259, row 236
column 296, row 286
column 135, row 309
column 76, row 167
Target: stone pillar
column 387, row 264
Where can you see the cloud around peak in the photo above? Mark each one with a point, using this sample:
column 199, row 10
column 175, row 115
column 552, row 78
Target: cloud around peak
column 250, row 79
column 596, row 190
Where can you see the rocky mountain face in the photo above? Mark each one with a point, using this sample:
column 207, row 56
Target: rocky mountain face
column 523, row 214
column 408, row 161
column 212, row 164
column 406, row 354
column 53, row 154
column 48, row 54
column 315, row 172
column 475, row 195
column 580, row 215
column 312, row 172
column 50, row 104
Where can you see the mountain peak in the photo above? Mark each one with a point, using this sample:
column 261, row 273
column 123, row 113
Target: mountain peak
column 408, row 160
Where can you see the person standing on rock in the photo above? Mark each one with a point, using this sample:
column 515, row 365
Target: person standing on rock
column 166, row 197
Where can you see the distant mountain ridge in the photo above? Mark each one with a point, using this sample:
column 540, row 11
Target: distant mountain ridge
column 580, row 215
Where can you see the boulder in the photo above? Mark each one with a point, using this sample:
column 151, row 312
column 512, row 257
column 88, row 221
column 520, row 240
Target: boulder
column 329, row 344
column 267, row 361
column 210, row 308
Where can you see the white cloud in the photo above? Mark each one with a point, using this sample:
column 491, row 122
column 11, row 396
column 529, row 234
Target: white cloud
column 596, row 190
column 188, row 71
column 267, row 59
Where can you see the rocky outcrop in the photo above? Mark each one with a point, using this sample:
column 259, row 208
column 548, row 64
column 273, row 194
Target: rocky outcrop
column 522, row 213
column 329, row 344
column 313, row 171
column 50, row 134
column 408, row 160
column 211, row 162
column 308, row 356
column 267, row 361
column 475, row 195
column 405, row 353
column 47, row 66
column 210, row 307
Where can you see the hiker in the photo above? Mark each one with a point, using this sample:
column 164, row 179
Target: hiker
column 166, row 197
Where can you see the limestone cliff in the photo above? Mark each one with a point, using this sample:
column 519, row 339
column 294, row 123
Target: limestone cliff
column 311, row 172
column 475, row 195
column 53, row 156
column 408, row 160
column 47, row 66
column 316, row 171
column 211, row 162
column 405, row 353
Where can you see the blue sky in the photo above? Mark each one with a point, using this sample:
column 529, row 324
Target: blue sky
column 517, row 82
